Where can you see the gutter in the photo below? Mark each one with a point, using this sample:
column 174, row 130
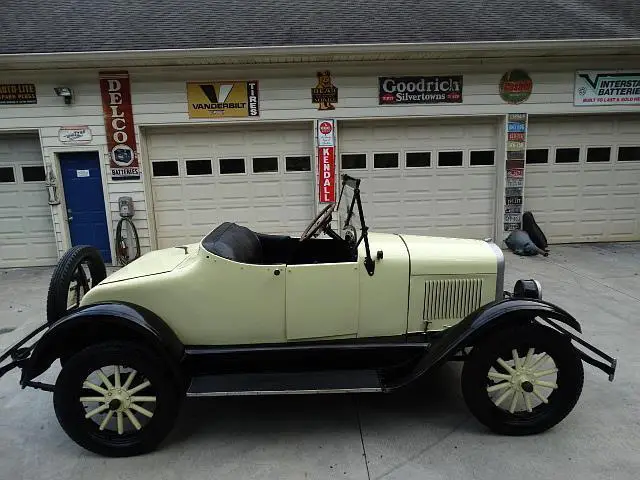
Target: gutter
column 311, row 50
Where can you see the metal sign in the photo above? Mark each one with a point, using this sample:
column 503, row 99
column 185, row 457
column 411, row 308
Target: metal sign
column 76, row 134
column 118, row 121
column 325, row 138
column 18, row 94
column 325, row 93
column 223, row 99
column 516, row 131
column 419, row 90
column 515, row 87
column 602, row 87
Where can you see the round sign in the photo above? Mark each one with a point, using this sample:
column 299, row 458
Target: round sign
column 326, row 128
column 515, row 86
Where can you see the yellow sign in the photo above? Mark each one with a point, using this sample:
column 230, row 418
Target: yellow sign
column 222, row 99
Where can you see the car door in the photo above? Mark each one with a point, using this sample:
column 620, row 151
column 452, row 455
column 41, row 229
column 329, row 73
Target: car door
column 322, row 301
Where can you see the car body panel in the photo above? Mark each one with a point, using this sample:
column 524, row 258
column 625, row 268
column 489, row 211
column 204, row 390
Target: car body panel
column 322, row 300
column 384, row 295
column 449, row 256
column 208, row 300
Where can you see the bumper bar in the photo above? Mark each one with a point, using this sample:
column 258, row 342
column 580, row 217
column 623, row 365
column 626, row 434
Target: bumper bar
column 19, row 354
column 608, row 366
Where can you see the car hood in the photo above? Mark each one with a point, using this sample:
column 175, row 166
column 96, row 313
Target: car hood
column 153, row 263
column 451, row 256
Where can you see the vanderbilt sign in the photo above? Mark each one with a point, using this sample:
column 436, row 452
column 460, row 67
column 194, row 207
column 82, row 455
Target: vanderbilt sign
column 222, row 99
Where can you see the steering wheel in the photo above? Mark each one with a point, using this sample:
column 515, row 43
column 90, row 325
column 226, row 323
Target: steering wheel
column 319, row 223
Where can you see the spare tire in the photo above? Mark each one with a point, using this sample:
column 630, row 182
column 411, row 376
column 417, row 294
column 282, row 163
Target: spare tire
column 536, row 235
column 80, row 269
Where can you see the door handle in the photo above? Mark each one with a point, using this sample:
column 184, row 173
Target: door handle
column 276, row 272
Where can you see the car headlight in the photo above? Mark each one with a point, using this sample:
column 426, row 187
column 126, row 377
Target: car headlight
column 528, row 289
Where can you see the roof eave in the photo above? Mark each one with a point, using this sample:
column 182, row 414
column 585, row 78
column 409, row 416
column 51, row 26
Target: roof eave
column 582, row 47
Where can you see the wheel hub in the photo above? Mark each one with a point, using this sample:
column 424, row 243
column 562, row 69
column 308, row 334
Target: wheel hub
column 522, row 380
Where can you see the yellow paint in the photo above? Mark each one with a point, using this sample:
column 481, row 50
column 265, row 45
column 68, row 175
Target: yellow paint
column 449, row 256
column 322, row 300
column 383, row 297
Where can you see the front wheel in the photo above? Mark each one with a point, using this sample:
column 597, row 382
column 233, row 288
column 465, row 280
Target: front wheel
column 116, row 399
column 523, row 380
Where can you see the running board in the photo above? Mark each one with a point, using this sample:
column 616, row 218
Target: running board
column 285, row 383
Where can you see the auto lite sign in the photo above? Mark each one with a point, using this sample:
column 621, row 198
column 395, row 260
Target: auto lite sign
column 222, row 99
column 118, row 121
column 600, row 87
column 421, row 90
column 325, row 135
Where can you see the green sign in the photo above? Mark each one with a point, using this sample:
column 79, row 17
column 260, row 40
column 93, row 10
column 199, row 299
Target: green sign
column 515, row 86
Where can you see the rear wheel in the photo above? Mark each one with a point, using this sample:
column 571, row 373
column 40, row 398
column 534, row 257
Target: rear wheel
column 523, row 380
column 79, row 270
column 116, row 399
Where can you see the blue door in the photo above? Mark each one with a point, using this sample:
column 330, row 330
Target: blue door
column 85, row 201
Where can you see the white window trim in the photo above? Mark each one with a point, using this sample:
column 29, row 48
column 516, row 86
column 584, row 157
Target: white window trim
column 617, row 153
column 366, row 165
column 271, row 172
column 231, row 157
column 586, row 154
column 483, row 150
column 373, row 160
column 186, row 174
column 431, row 157
column 15, row 179
column 549, row 150
column 165, row 176
column 569, row 147
column 297, row 172
column 462, row 165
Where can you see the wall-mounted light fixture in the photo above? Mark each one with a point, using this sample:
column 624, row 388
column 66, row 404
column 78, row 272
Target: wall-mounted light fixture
column 52, row 186
column 65, row 92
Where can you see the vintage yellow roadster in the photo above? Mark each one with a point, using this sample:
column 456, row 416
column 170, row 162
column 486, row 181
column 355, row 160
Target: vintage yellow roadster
column 245, row 313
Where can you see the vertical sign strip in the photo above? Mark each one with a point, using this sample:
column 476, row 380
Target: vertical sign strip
column 325, row 136
column 514, row 182
column 118, row 121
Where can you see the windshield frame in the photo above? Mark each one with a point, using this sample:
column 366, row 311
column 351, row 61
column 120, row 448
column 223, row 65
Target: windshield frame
column 351, row 182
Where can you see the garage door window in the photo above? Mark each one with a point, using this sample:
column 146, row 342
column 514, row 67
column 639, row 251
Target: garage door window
column 629, row 154
column 567, row 155
column 165, row 169
column 300, row 163
column 598, row 154
column 418, row 159
column 33, row 174
column 449, row 159
column 265, row 164
column 7, row 175
column 385, row 160
column 354, row 160
column 482, row 158
column 537, row 156
column 231, row 165
column 199, row 167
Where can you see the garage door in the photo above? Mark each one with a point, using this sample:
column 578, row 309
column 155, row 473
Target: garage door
column 259, row 177
column 424, row 177
column 583, row 177
column 26, row 229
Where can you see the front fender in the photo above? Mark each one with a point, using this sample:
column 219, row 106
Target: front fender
column 98, row 323
column 479, row 323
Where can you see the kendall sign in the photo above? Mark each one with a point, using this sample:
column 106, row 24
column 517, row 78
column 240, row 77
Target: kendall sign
column 424, row 90
column 118, row 121
column 325, row 139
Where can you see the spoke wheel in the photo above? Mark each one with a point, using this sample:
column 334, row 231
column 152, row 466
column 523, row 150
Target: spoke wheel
column 523, row 380
column 116, row 399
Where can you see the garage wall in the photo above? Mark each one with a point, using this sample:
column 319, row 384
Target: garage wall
column 159, row 98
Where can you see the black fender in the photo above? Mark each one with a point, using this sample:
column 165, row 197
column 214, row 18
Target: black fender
column 103, row 322
column 474, row 326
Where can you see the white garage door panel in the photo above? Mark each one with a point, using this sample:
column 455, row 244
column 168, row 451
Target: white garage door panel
column 26, row 228
column 585, row 201
column 187, row 207
column 448, row 201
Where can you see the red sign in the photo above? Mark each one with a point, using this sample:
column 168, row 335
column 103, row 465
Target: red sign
column 118, row 121
column 326, row 128
column 517, row 136
column 327, row 175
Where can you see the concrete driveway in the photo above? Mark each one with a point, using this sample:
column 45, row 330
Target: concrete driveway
column 423, row 433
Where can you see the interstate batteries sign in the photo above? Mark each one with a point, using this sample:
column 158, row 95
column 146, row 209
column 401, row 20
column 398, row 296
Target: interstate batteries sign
column 607, row 88
column 222, row 99
column 420, row 90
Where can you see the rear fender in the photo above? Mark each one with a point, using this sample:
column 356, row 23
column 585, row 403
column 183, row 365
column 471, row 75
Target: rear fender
column 99, row 323
column 479, row 323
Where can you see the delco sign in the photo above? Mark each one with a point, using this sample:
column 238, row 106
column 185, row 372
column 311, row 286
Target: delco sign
column 118, row 122
column 420, row 90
